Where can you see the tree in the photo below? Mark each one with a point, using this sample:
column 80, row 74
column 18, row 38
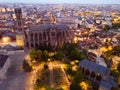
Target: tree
column 107, row 55
column 69, row 70
column 33, row 54
column 44, row 46
column 58, row 56
column 116, row 50
column 78, row 77
column 26, row 66
column 86, row 85
column 68, row 47
column 115, row 74
column 75, row 86
column 45, row 66
column 45, row 55
column 118, row 67
column 76, row 55
column 39, row 54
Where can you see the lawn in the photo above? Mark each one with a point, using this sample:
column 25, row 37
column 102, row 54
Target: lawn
column 42, row 79
column 59, row 79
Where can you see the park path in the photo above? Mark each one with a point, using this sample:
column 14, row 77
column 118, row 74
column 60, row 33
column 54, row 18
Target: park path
column 51, row 75
column 65, row 74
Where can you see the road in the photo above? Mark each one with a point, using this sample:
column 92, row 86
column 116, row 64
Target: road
column 16, row 79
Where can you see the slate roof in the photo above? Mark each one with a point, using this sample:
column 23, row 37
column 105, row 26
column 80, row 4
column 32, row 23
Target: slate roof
column 105, row 85
column 49, row 27
column 3, row 59
column 94, row 67
column 108, row 84
column 11, row 48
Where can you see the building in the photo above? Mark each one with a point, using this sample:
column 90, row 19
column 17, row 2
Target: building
column 4, row 65
column 19, row 23
column 89, row 23
column 98, row 74
column 19, row 27
column 50, row 34
column 72, row 22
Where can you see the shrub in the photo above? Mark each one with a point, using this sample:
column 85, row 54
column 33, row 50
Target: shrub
column 45, row 66
column 26, row 66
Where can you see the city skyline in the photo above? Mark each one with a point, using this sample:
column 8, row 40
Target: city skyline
column 63, row 1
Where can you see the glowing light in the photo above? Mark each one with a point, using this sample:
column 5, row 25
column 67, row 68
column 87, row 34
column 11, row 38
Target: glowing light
column 84, row 86
column 74, row 68
column 43, row 88
column 75, row 39
column 5, row 39
column 104, row 49
column 72, row 63
column 20, row 39
column 76, row 61
column 110, row 48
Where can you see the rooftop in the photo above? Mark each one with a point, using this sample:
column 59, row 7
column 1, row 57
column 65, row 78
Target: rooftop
column 105, row 86
column 94, row 67
column 11, row 48
column 49, row 27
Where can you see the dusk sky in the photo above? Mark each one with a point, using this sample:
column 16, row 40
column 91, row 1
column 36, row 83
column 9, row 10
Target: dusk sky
column 66, row 1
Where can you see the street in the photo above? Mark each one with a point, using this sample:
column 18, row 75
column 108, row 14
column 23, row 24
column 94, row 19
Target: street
column 16, row 79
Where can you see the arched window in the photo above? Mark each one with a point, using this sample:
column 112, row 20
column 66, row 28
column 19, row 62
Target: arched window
column 36, row 37
column 31, row 36
column 27, row 44
column 93, row 75
column 36, row 45
column 83, row 69
column 63, row 34
column 57, row 35
column 87, row 72
column 40, row 36
column 44, row 35
column 98, row 77
column 32, row 45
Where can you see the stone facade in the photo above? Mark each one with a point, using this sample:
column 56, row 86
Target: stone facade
column 50, row 34
column 19, row 27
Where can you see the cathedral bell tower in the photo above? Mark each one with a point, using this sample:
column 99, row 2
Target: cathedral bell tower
column 19, row 27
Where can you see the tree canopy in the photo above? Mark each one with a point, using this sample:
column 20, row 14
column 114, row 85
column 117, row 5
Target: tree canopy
column 33, row 53
column 118, row 67
column 26, row 66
